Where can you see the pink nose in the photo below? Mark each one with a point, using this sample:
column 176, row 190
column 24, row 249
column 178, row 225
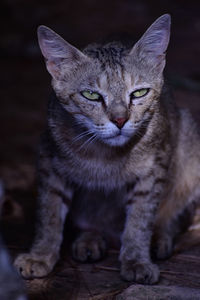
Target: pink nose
column 120, row 122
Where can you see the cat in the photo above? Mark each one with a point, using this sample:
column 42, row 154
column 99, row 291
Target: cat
column 11, row 286
column 114, row 137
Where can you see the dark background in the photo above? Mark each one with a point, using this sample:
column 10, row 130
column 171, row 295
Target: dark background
column 25, row 83
column 25, row 88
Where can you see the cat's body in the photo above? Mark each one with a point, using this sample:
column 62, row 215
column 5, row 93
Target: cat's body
column 114, row 132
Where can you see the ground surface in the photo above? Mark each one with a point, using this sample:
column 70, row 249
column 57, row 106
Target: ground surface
column 25, row 86
column 180, row 277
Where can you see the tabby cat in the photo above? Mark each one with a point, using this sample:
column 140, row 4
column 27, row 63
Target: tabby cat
column 116, row 138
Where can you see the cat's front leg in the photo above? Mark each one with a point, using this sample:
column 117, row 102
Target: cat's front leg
column 54, row 202
column 142, row 202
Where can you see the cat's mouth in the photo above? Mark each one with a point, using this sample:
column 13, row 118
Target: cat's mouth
column 113, row 136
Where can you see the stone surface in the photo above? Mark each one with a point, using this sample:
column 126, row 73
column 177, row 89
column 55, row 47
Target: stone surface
column 141, row 292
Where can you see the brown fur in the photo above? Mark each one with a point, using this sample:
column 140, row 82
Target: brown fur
column 118, row 153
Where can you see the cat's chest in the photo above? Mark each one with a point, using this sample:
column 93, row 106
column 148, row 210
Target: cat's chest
column 99, row 172
column 96, row 173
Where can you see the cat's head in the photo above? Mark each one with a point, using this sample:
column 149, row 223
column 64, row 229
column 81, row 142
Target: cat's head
column 111, row 91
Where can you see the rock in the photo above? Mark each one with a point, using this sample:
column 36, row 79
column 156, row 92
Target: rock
column 142, row 292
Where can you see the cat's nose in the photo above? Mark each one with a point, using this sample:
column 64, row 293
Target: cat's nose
column 119, row 122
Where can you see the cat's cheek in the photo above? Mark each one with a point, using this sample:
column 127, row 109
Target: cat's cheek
column 88, row 108
column 71, row 108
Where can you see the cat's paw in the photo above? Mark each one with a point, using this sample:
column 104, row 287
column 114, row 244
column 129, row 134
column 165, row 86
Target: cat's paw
column 162, row 248
column 89, row 247
column 145, row 273
column 32, row 266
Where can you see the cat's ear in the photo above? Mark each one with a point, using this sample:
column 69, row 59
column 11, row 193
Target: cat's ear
column 57, row 51
column 153, row 44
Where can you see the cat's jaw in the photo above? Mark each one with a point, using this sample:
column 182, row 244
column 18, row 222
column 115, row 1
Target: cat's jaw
column 116, row 141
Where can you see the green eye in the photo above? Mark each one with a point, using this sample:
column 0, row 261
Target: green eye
column 91, row 95
column 139, row 93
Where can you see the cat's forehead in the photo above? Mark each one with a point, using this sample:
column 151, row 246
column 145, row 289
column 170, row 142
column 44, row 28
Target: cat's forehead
column 109, row 55
column 115, row 81
column 112, row 67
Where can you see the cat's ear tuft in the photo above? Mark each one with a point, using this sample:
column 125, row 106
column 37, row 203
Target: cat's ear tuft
column 57, row 51
column 153, row 44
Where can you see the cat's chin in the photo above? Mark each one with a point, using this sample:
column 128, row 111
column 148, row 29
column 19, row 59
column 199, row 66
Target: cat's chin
column 116, row 141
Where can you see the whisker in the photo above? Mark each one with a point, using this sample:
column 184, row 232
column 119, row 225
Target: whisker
column 81, row 135
column 91, row 141
column 86, row 142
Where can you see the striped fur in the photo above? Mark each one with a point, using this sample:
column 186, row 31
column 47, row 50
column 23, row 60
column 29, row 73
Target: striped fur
column 148, row 167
